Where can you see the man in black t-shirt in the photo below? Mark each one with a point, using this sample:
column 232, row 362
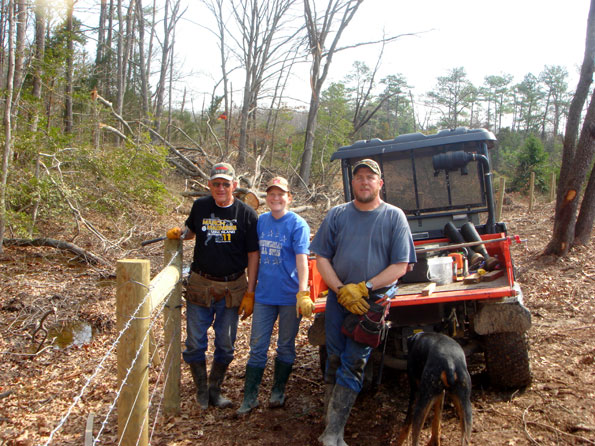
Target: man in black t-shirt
column 218, row 290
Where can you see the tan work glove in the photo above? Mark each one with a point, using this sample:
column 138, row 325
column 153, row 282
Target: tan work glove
column 304, row 304
column 246, row 306
column 352, row 296
column 174, row 233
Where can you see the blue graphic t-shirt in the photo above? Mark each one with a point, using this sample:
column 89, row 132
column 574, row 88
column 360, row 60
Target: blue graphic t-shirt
column 280, row 241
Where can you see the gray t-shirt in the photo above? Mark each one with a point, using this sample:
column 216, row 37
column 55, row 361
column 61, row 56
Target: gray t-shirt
column 361, row 244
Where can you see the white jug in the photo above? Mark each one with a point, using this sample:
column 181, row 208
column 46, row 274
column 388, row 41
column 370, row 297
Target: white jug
column 440, row 270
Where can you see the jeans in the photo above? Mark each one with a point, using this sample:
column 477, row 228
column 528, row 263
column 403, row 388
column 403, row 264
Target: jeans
column 198, row 321
column 353, row 355
column 263, row 321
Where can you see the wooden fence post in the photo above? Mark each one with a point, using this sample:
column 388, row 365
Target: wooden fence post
column 172, row 316
column 553, row 187
column 531, row 191
column 132, row 280
column 501, row 192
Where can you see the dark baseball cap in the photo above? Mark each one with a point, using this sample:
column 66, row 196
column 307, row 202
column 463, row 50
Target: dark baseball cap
column 222, row 170
column 370, row 164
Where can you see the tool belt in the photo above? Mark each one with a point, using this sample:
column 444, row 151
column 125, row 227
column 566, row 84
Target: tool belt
column 369, row 328
column 230, row 278
column 205, row 290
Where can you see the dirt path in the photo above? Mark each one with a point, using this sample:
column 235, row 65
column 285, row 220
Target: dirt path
column 36, row 393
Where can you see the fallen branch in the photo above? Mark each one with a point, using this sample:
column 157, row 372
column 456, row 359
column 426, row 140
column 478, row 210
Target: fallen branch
column 59, row 244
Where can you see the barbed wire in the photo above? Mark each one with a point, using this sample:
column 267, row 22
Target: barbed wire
column 140, row 384
column 129, row 370
column 162, row 388
column 110, row 350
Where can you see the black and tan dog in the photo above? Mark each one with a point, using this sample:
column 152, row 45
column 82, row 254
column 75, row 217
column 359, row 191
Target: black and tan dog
column 436, row 366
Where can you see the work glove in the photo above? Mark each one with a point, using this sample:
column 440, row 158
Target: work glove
column 174, row 233
column 246, row 306
column 304, row 304
column 352, row 296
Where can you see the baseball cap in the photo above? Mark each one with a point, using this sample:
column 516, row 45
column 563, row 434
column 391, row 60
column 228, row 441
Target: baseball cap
column 371, row 164
column 222, row 170
column 279, row 182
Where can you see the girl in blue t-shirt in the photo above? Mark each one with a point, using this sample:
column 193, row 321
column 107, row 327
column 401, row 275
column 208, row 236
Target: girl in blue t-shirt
column 281, row 293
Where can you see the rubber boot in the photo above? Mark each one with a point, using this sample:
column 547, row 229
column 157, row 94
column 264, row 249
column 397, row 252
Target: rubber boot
column 251, row 384
column 199, row 375
column 339, row 407
column 328, row 391
column 215, row 380
column 281, row 375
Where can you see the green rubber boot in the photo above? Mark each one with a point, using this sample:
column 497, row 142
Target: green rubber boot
column 339, row 407
column 199, row 375
column 216, row 378
column 251, row 384
column 281, row 375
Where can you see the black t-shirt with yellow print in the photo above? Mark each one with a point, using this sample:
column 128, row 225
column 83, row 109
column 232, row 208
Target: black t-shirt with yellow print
column 224, row 236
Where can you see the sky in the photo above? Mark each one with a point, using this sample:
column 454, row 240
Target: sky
column 485, row 37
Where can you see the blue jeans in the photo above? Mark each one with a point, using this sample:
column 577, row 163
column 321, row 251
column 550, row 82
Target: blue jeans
column 353, row 355
column 198, row 321
column 263, row 321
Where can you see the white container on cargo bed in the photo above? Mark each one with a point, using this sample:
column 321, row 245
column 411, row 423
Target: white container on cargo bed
column 440, row 270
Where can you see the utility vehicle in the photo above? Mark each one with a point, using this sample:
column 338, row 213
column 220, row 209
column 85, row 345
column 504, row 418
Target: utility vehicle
column 442, row 180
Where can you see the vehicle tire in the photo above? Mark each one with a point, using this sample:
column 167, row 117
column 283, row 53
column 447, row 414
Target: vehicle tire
column 507, row 360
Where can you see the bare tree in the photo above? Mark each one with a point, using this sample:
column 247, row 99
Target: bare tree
column 21, row 15
column 10, row 8
column 260, row 24
column 68, row 88
column 319, row 30
column 576, row 158
column 169, row 23
column 216, row 8
column 38, row 55
column 144, row 88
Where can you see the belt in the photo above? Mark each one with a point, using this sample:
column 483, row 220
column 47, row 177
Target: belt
column 230, row 278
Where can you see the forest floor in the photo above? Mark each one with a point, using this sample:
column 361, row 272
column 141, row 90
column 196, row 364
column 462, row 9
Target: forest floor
column 37, row 392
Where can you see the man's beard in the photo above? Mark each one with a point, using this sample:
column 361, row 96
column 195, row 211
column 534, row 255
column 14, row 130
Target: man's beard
column 367, row 199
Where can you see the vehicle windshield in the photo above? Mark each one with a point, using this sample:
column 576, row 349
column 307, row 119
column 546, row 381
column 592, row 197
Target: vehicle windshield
column 411, row 184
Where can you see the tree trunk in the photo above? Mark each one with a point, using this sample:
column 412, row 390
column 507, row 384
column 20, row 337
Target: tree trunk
column 306, row 164
column 7, row 121
column 319, row 71
column 571, row 186
column 578, row 101
column 142, row 62
column 586, row 216
column 40, row 20
column 68, row 89
column 19, row 56
column 160, row 94
column 575, row 160
column 101, row 50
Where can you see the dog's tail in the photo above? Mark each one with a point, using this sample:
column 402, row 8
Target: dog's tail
column 450, row 375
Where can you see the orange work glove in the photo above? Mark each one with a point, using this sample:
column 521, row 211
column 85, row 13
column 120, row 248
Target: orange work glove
column 304, row 304
column 352, row 296
column 246, row 306
column 174, row 233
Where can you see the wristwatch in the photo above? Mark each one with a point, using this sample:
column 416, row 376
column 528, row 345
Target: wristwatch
column 369, row 286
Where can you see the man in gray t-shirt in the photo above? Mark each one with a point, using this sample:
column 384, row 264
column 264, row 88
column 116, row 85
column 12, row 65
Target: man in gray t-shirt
column 361, row 246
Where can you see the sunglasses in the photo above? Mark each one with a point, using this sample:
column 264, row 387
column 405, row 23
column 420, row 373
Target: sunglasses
column 217, row 185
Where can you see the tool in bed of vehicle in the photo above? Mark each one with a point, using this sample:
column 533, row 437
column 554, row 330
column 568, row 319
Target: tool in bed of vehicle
column 443, row 182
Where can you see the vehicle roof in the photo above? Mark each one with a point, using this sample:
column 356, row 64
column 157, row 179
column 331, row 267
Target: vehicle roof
column 411, row 141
